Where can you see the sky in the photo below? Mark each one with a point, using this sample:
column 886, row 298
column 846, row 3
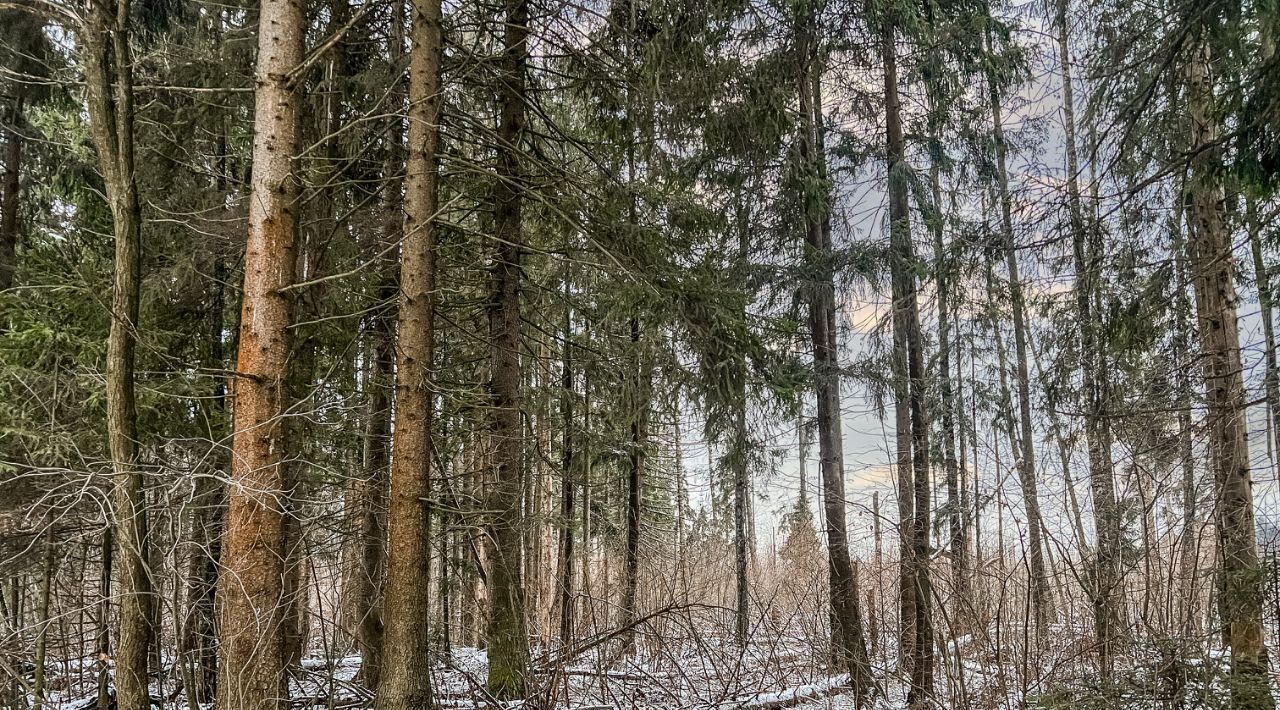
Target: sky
column 868, row 441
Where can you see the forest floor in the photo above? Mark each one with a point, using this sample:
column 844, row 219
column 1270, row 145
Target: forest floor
column 709, row 673
column 717, row 677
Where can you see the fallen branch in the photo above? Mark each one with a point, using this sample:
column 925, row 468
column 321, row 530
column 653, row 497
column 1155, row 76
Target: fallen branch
column 550, row 663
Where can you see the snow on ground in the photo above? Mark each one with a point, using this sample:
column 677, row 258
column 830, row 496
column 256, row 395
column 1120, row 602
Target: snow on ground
column 697, row 672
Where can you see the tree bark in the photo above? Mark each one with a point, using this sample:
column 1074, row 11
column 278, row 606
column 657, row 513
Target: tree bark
column 1027, row 460
column 1106, row 578
column 955, row 522
column 847, row 633
column 197, row 645
column 542, row 506
column 508, row 641
column 738, row 450
column 1213, row 277
column 567, row 484
column 587, row 521
column 912, row 431
column 635, row 491
column 102, row 634
column 10, row 195
column 42, row 627
column 1266, row 312
column 109, row 88
column 252, row 645
column 366, row 499
column 738, row 446
column 1190, row 538
column 404, row 682
column 965, row 563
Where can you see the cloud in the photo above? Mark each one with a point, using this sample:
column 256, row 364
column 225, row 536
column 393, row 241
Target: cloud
column 868, row 477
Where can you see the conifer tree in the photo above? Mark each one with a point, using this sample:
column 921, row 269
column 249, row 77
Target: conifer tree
column 252, row 633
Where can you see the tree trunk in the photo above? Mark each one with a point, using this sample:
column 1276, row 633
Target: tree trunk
column 738, row 450
column 1213, row 277
column 682, row 512
column 847, row 633
column 9, row 195
column 42, row 627
column 543, row 505
column 102, row 635
column 568, row 501
column 252, row 645
column 197, row 645
column 964, row 564
column 738, row 446
column 1073, row 501
column 587, row 521
column 508, row 641
column 1189, row 560
column 109, row 87
column 367, row 494
column 955, row 523
column 1266, row 312
column 366, row 498
column 635, row 490
column 1105, row 593
column 909, row 351
column 404, row 682
column 1027, row 460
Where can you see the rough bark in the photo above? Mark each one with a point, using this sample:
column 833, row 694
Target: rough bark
column 366, row 499
column 847, row 634
column 102, row 634
column 10, row 187
column 738, row 459
column 252, row 644
column 542, row 507
column 635, row 493
column 109, row 88
column 197, row 643
column 1213, row 278
column 912, row 431
column 682, row 512
column 1190, row 537
column 404, row 682
column 740, row 489
column 508, row 641
column 42, row 627
column 568, row 487
column 587, row 522
column 965, row 562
